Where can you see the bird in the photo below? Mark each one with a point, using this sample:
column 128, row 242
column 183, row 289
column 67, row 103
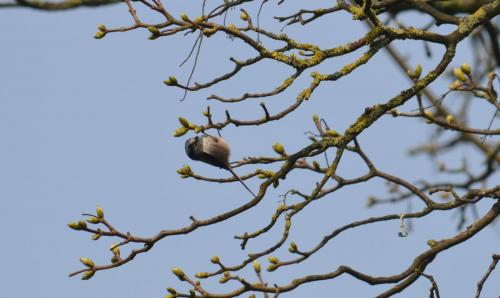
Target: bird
column 214, row 151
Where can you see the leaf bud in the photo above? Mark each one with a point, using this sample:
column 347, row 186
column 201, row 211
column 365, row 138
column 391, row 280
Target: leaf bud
column 93, row 220
column 459, row 74
column 115, row 249
column 331, row 133
column 88, row 274
column 180, row 131
column 450, row 119
column 201, row 275
column 115, row 259
column 178, row 272
column 184, row 122
column 244, row 16
column 256, row 266
column 455, row 85
column 466, row 68
column 315, row 118
column 418, row 71
column 82, row 224
column 100, row 212
column 87, row 262
column 215, row 260
column 171, row 81
column 154, row 30
column 273, row 260
column 184, row 17
column 74, row 225
column 431, row 242
column 99, row 35
column 279, row 148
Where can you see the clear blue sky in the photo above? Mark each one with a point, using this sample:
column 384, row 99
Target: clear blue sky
column 87, row 122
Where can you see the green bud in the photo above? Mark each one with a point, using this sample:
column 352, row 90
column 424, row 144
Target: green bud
column 244, row 16
column 185, row 171
column 466, row 68
column 74, row 225
column 172, row 291
column 293, row 247
column 459, row 74
column 154, row 30
column 279, row 148
column 223, row 280
column 201, row 275
column 115, row 259
column 82, row 224
column 450, row 119
column 331, row 133
column 184, row 17
column 315, row 118
column 215, row 260
column 96, row 237
column 429, row 116
column 180, row 131
column 455, row 85
column 99, row 35
column 273, row 260
column 100, row 212
column 198, row 129
column 178, row 272
column 171, row 81
column 272, row 267
column 115, row 249
column 184, row 122
column 170, row 296
column 101, row 27
column 87, row 262
column 199, row 19
column 232, row 27
column 431, row 243
column 209, row 32
column 88, row 274
column 256, row 266
column 316, row 165
column 418, row 71
column 93, row 220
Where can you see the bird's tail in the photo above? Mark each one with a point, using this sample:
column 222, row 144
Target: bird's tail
column 239, row 179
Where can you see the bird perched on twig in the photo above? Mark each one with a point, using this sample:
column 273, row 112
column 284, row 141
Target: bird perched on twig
column 213, row 151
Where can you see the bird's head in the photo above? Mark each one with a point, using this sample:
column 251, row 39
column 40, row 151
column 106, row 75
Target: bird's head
column 190, row 147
